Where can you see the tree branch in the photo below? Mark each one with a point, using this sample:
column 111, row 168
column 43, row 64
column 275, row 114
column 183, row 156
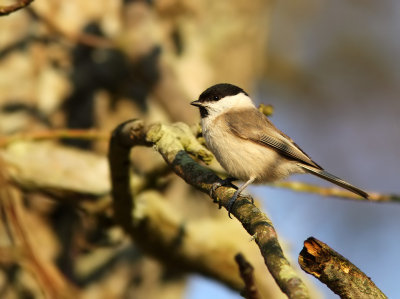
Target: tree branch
column 174, row 142
column 296, row 186
column 335, row 192
column 55, row 134
column 79, row 37
column 246, row 272
column 6, row 10
column 338, row 273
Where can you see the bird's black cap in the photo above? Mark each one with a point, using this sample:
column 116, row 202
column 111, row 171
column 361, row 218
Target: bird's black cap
column 219, row 91
column 215, row 93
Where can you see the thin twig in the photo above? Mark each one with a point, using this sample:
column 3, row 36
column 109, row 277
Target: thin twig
column 55, row 134
column 338, row 273
column 246, row 272
column 335, row 192
column 50, row 279
column 80, row 37
column 6, row 10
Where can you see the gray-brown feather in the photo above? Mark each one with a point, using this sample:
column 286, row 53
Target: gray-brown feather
column 259, row 129
column 240, row 154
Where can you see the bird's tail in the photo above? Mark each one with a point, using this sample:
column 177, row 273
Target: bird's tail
column 333, row 179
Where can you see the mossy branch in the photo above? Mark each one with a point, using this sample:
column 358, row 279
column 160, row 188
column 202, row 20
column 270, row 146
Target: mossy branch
column 174, row 142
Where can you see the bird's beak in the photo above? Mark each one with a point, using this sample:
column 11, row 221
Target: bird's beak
column 196, row 103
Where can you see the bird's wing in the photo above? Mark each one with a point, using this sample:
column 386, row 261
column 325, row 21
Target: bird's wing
column 252, row 125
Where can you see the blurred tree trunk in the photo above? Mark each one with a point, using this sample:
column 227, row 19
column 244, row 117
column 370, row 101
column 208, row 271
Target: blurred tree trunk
column 86, row 65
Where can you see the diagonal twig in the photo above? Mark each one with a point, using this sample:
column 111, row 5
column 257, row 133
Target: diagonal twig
column 50, row 279
column 6, row 10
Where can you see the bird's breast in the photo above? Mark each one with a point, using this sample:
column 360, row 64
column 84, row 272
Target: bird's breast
column 243, row 158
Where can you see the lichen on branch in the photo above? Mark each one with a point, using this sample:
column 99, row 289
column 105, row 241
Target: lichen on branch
column 174, row 143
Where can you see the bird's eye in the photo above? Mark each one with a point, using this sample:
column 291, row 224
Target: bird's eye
column 216, row 98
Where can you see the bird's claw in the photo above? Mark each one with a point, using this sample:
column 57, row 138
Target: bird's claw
column 225, row 182
column 214, row 187
column 233, row 199
column 231, row 202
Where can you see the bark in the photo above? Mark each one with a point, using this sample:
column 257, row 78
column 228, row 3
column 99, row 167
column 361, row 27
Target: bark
column 338, row 273
column 174, row 143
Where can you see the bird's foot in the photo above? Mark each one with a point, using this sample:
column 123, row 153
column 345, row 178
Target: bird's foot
column 231, row 202
column 233, row 199
column 225, row 182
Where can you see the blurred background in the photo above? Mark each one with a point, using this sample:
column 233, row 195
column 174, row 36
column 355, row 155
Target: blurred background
column 329, row 68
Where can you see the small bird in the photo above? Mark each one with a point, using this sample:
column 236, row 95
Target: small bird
column 248, row 146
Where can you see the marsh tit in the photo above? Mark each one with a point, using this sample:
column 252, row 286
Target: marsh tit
column 248, row 146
